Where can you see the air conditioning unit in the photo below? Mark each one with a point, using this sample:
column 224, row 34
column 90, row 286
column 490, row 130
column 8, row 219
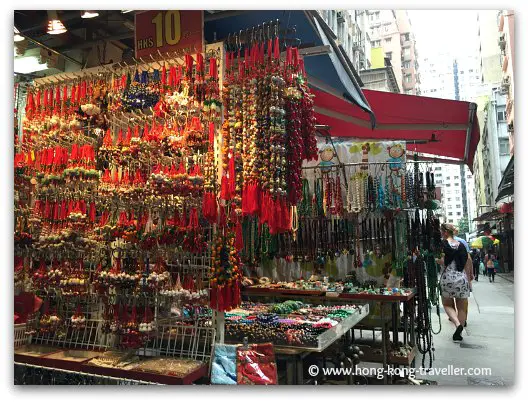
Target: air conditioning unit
column 502, row 41
column 510, row 127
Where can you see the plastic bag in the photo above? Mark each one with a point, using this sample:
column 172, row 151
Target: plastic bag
column 255, row 365
column 223, row 371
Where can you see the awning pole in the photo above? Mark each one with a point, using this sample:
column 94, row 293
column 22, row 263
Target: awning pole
column 472, row 111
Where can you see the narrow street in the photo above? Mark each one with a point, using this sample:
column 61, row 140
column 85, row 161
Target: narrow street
column 489, row 338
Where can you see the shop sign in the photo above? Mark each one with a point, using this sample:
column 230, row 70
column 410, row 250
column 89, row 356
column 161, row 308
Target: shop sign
column 168, row 31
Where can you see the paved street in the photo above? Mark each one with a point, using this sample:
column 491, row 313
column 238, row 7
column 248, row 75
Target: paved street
column 488, row 338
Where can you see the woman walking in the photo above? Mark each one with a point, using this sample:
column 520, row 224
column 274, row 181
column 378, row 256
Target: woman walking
column 453, row 280
column 490, row 266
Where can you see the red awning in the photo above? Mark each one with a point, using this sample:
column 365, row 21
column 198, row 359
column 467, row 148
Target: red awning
column 407, row 118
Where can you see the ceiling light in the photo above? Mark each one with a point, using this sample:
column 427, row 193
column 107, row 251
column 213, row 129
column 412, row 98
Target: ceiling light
column 55, row 26
column 89, row 14
column 126, row 11
column 30, row 64
column 18, row 37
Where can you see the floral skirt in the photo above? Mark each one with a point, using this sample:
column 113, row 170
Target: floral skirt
column 454, row 284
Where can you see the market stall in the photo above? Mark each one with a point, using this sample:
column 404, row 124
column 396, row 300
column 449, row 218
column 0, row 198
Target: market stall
column 165, row 210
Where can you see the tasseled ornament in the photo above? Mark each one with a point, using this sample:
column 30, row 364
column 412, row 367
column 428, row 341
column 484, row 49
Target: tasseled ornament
column 119, row 142
column 128, row 137
column 193, row 219
column 106, row 176
column 107, row 140
column 138, row 178
column 115, row 177
column 104, row 218
column 125, row 180
column 222, row 218
column 239, row 239
column 228, row 297
column 209, row 207
column 92, row 212
column 123, row 219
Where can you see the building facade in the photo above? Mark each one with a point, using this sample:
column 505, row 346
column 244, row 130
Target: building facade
column 391, row 31
column 449, row 76
column 351, row 30
column 506, row 45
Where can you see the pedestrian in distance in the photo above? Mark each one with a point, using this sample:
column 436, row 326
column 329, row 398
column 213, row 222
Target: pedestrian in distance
column 476, row 263
column 490, row 266
column 454, row 281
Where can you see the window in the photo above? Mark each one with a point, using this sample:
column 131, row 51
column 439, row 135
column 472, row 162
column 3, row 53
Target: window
column 376, row 44
column 457, row 183
column 448, row 185
column 461, row 72
column 408, row 78
column 448, row 178
column 409, row 92
column 407, row 51
column 504, row 147
column 438, row 174
column 450, row 221
column 450, row 213
column 455, row 177
column 407, row 65
column 438, row 168
column 501, row 116
column 458, row 206
column 457, row 199
column 459, row 213
column 457, row 192
column 388, row 55
column 448, row 199
column 406, row 37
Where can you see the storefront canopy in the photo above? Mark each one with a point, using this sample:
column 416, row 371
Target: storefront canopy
column 506, row 184
column 326, row 65
column 440, row 127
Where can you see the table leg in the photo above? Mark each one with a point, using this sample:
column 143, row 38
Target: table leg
column 412, row 341
column 405, row 323
column 299, row 369
column 290, row 371
column 395, row 335
column 384, row 344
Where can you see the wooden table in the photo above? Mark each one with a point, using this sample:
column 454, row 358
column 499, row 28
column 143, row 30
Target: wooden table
column 323, row 296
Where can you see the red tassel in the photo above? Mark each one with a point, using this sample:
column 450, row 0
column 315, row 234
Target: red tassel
column 106, row 176
column 228, row 297
column 104, row 218
column 125, row 180
column 115, row 177
column 213, row 298
column 120, row 138
column 239, row 240
column 63, row 210
column 224, row 188
column 107, row 140
column 222, row 219
column 128, row 137
column 92, row 212
column 70, row 207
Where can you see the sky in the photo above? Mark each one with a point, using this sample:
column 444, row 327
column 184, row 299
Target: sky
column 442, row 30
